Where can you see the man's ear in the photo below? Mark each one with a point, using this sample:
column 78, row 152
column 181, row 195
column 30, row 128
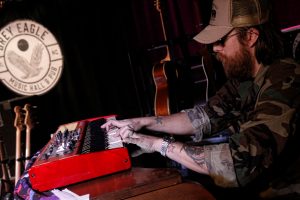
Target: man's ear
column 253, row 35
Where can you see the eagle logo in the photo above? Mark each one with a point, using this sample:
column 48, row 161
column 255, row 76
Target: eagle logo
column 29, row 68
column 31, row 61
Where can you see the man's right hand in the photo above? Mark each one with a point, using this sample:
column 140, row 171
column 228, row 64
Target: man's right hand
column 126, row 127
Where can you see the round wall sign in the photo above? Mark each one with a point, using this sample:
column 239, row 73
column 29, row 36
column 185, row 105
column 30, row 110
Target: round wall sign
column 30, row 58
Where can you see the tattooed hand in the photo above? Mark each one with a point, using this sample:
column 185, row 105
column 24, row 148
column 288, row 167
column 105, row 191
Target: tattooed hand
column 148, row 144
column 125, row 127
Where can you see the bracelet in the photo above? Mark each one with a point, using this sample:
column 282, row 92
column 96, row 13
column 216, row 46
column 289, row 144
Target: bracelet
column 165, row 144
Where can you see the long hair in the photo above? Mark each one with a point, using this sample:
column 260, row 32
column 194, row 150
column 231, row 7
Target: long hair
column 269, row 45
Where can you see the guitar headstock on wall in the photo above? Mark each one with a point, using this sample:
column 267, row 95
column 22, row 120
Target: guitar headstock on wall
column 30, row 116
column 19, row 118
column 157, row 5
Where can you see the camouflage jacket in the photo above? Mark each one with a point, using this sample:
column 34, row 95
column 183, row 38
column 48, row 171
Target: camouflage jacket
column 259, row 116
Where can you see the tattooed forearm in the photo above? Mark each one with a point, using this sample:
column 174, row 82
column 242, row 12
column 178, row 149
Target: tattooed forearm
column 158, row 120
column 196, row 153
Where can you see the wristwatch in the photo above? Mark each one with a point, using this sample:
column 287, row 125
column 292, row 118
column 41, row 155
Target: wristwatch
column 167, row 140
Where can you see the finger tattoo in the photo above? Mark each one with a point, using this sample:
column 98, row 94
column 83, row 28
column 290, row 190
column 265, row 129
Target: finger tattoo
column 158, row 120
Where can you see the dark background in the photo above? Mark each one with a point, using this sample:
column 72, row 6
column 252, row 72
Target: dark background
column 109, row 49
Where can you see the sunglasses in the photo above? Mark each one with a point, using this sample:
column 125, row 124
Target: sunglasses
column 222, row 41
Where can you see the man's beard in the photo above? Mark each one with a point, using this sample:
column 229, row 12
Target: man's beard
column 238, row 66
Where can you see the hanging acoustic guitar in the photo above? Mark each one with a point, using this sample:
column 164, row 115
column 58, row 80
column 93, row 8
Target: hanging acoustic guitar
column 162, row 72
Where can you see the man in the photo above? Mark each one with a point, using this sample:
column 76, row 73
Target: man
column 257, row 107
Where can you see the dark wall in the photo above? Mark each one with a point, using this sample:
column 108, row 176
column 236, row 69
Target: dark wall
column 96, row 78
column 107, row 53
column 287, row 12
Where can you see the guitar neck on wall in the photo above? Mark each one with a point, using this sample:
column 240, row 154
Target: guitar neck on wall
column 29, row 123
column 24, row 121
column 19, row 125
column 158, row 8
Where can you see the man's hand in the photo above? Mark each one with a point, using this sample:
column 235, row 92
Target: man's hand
column 127, row 131
column 148, row 144
column 125, row 127
column 115, row 123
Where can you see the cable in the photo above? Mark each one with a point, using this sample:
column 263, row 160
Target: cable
column 204, row 70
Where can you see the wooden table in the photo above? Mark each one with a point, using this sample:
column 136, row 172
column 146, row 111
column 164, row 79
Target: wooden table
column 142, row 184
